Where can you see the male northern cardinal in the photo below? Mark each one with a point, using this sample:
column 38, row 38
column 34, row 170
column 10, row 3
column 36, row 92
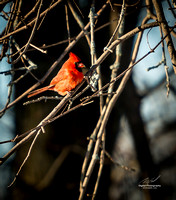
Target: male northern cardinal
column 68, row 77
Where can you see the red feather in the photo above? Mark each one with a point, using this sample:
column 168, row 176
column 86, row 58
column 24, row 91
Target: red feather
column 68, row 77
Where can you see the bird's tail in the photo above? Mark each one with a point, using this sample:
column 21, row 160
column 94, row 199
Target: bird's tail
column 35, row 92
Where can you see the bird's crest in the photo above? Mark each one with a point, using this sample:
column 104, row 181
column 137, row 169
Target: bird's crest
column 74, row 57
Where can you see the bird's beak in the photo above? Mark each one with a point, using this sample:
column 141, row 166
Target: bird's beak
column 81, row 67
column 84, row 69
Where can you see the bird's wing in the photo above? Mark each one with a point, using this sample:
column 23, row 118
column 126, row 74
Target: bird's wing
column 59, row 77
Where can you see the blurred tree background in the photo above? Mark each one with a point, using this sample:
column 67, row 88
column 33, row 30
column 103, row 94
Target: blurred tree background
column 140, row 133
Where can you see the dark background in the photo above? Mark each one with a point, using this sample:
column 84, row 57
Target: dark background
column 62, row 148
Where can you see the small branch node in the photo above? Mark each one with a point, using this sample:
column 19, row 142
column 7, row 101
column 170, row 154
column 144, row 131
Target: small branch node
column 39, row 49
column 43, row 130
column 107, row 49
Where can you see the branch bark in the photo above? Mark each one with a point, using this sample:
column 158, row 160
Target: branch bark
column 164, row 26
column 36, row 130
column 67, row 49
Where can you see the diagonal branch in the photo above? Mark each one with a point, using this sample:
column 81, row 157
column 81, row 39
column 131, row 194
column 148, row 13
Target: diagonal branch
column 29, row 24
column 37, row 129
column 54, row 65
column 32, row 34
column 106, row 112
column 51, row 117
column 166, row 31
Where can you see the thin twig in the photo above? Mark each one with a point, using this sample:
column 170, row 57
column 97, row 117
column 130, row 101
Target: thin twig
column 8, row 28
column 32, row 34
column 29, row 134
column 114, row 68
column 50, row 117
column 110, row 89
column 118, row 25
column 165, row 29
column 55, row 64
column 113, row 160
column 79, row 21
column 32, row 66
column 94, row 77
column 48, row 9
column 102, row 157
column 39, row 49
column 29, row 24
column 167, row 80
column 104, row 117
column 67, row 23
column 27, row 15
column 115, row 79
column 42, row 98
column 165, row 64
column 26, row 158
column 155, row 66
column 37, row 129
column 72, row 38
column 118, row 164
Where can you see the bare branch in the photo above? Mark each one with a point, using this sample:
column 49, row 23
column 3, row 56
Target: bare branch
column 29, row 24
column 32, row 34
column 37, row 129
column 166, row 31
column 67, row 23
column 118, row 25
column 67, row 49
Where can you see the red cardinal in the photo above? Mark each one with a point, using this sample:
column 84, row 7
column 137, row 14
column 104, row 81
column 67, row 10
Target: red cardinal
column 68, row 77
